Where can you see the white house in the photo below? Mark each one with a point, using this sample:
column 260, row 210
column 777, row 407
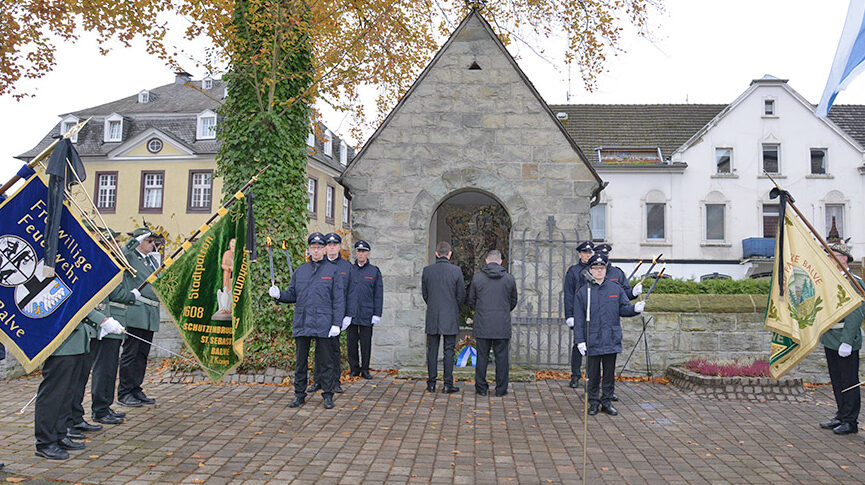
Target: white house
column 698, row 194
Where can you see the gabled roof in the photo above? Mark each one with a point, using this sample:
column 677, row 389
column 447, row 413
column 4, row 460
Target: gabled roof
column 473, row 13
column 851, row 119
column 666, row 126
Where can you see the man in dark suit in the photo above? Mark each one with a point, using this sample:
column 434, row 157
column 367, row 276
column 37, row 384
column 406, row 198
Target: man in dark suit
column 493, row 295
column 444, row 290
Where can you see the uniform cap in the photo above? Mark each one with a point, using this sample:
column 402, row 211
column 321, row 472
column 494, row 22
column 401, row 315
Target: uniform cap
column 843, row 248
column 362, row 245
column 332, row 237
column 315, row 238
column 599, row 259
column 586, row 246
column 603, row 248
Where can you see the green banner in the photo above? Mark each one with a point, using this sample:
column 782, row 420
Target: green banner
column 205, row 293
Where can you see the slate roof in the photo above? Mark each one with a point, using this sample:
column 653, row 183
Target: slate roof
column 172, row 109
column 851, row 119
column 667, row 126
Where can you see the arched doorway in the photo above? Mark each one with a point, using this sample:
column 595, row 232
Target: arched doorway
column 473, row 222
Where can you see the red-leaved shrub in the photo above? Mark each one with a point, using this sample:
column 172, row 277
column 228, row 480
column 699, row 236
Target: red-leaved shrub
column 758, row 368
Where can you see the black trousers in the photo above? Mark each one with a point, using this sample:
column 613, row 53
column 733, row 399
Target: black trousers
column 76, row 415
column 336, row 368
column 359, row 334
column 844, row 372
column 133, row 361
column 54, row 398
column 607, row 383
column 576, row 361
column 501, row 348
column 432, row 353
column 104, row 378
column 323, row 361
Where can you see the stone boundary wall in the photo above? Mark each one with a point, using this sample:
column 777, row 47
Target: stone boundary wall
column 741, row 388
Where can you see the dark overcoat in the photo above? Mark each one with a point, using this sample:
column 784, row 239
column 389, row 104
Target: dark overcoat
column 616, row 275
column 365, row 295
column 573, row 281
column 492, row 295
column 608, row 303
column 444, row 290
column 317, row 290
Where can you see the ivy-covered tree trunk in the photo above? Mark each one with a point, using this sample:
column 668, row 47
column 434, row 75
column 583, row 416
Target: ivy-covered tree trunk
column 265, row 124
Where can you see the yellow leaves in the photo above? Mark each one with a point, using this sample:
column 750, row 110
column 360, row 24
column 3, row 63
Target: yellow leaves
column 15, row 479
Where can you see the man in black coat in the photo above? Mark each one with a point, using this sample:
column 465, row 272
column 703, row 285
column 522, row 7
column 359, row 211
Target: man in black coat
column 493, row 295
column 444, row 290
column 573, row 281
column 365, row 304
column 598, row 331
column 317, row 291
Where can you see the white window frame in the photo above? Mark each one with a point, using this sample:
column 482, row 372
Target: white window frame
column 655, row 197
column 200, row 193
column 343, row 153
column 66, row 124
column 825, row 162
column 716, row 171
column 718, row 199
column 200, row 132
column 346, row 210
column 328, row 143
column 144, row 96
column 763, row 162
column 106, row 192
column 312, row 194
column 152, row 188
column 310, row 138
column 109, row 121
column 774, row 104
column 329, row 195
column 207, row 83
column 601, row 206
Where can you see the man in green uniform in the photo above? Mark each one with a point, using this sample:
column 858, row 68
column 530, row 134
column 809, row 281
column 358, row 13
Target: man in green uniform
column 139, row 310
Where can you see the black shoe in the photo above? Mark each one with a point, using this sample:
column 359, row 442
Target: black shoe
column 500, row 394
column 354, row 373
column 575, row 382
column 314, row 387
column 845, row 428
column 2, row 465
column 338, row 388
column 366, row 375
column 143, row 398
column 831, row 424
column 87, row 427
column 129, row 401
column 52, row 452
column 480, row 393
column 298, row 402
column 328, row 402
column 430, row 387
column 593, row 409
column 614, row 398
column 75, row 434
column 450, row 389
column 68, row 444
column 108, row 419
column 116, row 414
column 609, row 409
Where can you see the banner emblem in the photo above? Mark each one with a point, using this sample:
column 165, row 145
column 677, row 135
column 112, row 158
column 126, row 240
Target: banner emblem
column 17, row 260
column 38, row 297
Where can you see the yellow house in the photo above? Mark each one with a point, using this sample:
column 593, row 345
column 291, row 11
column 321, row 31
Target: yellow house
column 151, row 157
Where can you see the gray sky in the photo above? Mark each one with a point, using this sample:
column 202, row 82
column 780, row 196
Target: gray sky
column 700, row 52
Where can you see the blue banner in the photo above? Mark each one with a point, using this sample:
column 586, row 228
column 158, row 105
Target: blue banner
column 37, row 313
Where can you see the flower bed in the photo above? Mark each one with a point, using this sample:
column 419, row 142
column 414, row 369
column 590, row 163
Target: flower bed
column 735, row 368
column 757, row 389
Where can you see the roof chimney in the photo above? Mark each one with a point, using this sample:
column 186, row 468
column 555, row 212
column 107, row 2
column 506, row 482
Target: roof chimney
column 182, row 77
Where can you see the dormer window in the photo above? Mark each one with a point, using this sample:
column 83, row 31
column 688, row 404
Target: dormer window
column 206, row 125
column 113, row 128
column 328, row 143
column 144, row 96
column 207, row 83
column 67, row 125
column 343, row 153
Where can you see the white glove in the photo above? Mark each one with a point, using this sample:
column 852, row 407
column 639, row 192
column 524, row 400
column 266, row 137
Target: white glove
column 273, row 291
column 143, row 237
column 110, row 325
column 375, row 319
column 637, row 290
column 136, row 293
column 582, row 348
column 570, row 322
column 844, row 350
column 346, row 321
column 639, row 306
column 334, row 331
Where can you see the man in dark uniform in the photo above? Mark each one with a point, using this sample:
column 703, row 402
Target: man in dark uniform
column 842, row 343
column 444, row 290
column 598, row 305
column 492, row 295
column 57, row 391
column 616, row 275
column 331, row 249
column 317, row 291
column 573, row 281
column 365, row 305
column 139, row 310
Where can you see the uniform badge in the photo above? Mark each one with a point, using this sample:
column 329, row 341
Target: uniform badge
column 38, row 297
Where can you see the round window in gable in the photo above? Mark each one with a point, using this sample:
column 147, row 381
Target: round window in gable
column 154, row 145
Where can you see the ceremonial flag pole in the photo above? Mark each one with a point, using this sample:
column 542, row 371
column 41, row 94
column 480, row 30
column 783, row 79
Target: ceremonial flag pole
column 288, row 258
column 270, row 258
column 635, row 270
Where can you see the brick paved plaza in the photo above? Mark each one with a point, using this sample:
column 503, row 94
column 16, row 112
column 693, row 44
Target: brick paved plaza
column 389, row 430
